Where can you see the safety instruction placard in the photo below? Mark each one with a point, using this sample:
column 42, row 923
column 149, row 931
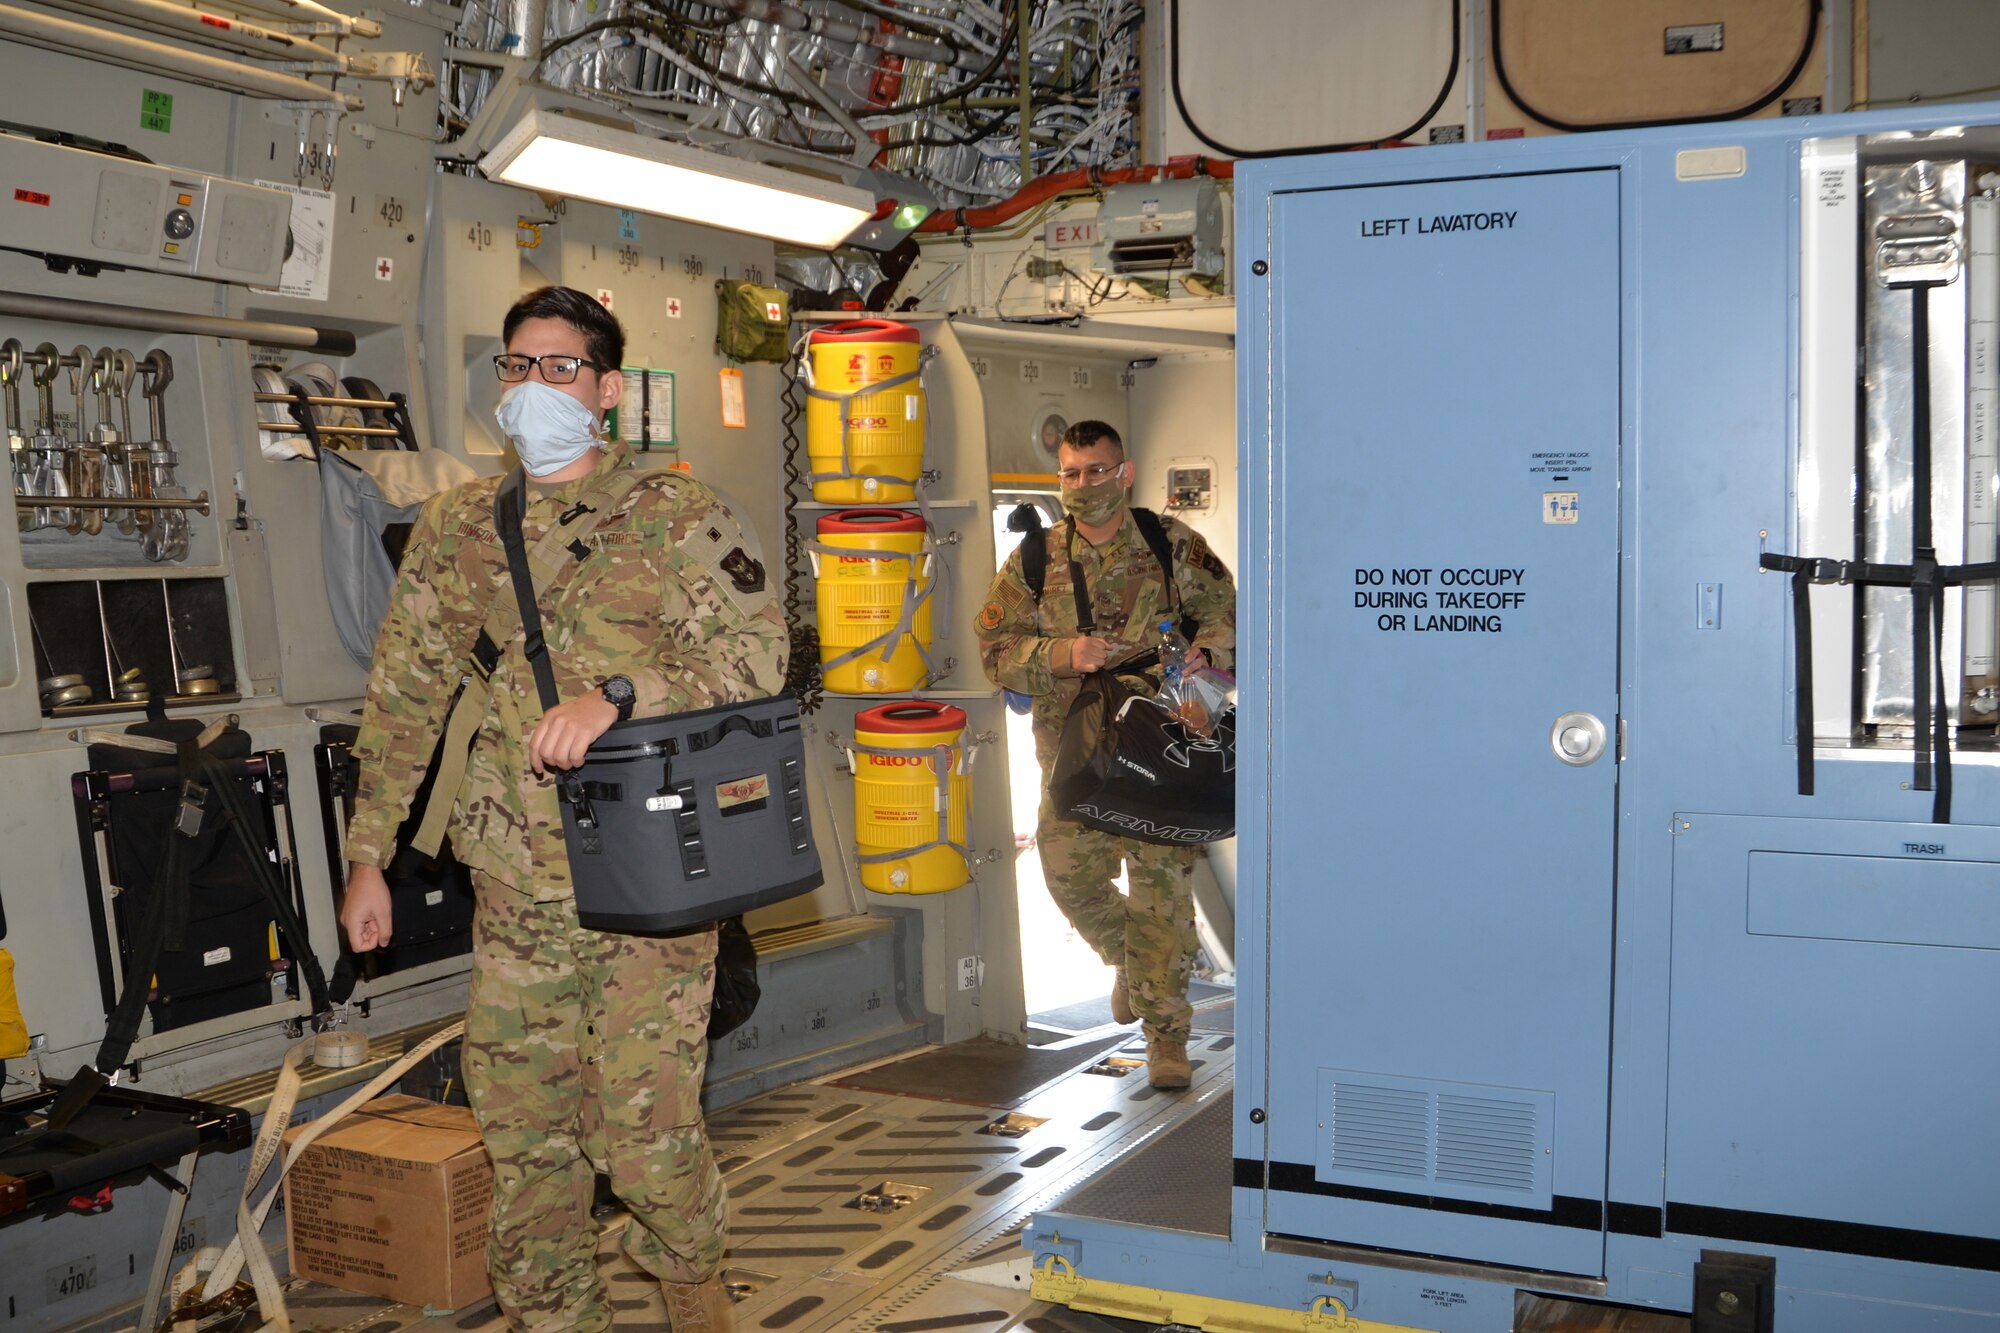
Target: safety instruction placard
column 645, row 415
column 1450, row 599
column 308, row 269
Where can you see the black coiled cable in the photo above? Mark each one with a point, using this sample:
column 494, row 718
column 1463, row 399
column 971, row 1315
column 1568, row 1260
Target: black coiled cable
column 802, row 673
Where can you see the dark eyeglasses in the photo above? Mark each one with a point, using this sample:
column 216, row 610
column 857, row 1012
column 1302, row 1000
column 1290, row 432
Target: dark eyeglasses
column 1073, row 477
column 512, row 369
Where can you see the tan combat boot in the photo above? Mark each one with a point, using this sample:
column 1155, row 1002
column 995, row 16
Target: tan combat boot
column 1167, row 1062
column 1121, row 1000
column 700, row 1307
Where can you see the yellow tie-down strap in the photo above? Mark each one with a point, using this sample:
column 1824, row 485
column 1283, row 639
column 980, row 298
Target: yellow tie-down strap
column 1057, row 1280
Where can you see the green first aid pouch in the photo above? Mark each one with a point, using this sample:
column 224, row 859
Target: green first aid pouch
column 753, row 322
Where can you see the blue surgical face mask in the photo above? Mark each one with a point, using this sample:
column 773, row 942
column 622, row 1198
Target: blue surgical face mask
column 550, row 429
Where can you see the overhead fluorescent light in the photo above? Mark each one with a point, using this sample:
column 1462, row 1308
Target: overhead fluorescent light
column 578, row 159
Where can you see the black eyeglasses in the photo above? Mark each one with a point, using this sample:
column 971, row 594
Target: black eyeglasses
column 512, row 368
column 1074, row 477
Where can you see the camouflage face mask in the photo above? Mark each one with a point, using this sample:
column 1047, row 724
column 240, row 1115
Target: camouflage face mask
column 1094, row 504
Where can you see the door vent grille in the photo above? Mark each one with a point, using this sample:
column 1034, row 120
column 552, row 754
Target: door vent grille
column 1381, row 1129
column 1428, row 1136
column 1486, row 1142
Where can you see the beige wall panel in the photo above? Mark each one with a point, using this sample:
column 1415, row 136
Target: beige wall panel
column 1585, row 64
column 1292, row 74
column 1932, row 50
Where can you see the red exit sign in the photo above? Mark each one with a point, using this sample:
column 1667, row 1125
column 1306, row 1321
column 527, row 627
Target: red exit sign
column 31, row 197
column 1069, row 235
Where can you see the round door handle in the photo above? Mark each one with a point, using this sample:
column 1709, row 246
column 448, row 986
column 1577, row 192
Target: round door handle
column 1578, row 739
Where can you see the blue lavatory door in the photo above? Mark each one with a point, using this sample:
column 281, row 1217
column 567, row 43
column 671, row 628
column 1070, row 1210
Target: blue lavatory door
column 1445, row 542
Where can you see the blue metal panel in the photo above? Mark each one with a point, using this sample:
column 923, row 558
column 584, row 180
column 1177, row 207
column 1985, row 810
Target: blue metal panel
column 1832, row 1042
column 1446, row 880
column 1801, row 1029
column 1877, row 899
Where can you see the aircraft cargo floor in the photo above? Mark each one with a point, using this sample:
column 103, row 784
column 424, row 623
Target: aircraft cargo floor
column 890, row 1198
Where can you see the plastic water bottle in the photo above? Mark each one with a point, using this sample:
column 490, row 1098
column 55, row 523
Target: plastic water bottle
column 1173, row 655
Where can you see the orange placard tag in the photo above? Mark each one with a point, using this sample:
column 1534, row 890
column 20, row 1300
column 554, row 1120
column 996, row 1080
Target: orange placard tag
column 732, row 398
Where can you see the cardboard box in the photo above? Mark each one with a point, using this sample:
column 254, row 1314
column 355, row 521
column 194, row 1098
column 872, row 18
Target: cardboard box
column 394, row 1201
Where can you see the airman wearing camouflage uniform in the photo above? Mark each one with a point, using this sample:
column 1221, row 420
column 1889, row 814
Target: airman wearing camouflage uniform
column 583, row 1050
column 1037, row 649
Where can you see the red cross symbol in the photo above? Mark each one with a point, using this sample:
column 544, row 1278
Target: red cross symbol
column 773, row 311
column 383, row 268
column 673, row 307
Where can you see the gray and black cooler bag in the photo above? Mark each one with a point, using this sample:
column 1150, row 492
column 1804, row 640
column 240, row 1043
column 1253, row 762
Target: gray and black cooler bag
column 677, row 821
column 673, row 822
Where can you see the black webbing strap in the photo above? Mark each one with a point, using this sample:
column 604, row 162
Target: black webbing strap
column 1035, row 547
column 1802, row 718
column 485, row 654
column 1079, row 586
column 1923, row 553
column 1872, row 574
column 1035, row 562
column 1155, row 533
column 163, row 924
column 1027, row 520
column 704, row 740
column 1926, row 591
column 237, row 815
column 507, row 519
column 166, row 914
column 1923, row 576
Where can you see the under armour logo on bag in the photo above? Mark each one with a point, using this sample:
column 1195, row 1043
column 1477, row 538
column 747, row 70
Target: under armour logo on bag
column 1184, row 742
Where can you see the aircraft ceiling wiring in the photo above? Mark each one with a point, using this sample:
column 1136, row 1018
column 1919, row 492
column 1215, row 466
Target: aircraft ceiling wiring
column 935, row 83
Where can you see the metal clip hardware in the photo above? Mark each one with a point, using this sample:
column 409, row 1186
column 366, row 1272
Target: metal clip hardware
column 590, row 839
column 579, row 800
column 1902, row 262
column 193, row 796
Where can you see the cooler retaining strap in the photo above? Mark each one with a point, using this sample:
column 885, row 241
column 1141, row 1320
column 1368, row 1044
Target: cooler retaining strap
column 946, row 759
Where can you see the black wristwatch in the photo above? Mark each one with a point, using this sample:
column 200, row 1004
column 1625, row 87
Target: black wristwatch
column 618, row 692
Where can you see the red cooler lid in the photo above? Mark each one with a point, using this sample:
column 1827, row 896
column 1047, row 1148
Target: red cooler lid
column 871, row 521
column 866, row 331
column 910, row 717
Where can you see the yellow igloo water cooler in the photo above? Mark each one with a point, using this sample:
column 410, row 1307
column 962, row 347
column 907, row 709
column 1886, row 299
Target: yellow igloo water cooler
column 865, row 411
column 909, row 829
column 874, row 575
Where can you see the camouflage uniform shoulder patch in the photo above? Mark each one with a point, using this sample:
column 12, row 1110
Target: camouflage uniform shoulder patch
column 1198, row 554
column 716, row 541
column 746, row 572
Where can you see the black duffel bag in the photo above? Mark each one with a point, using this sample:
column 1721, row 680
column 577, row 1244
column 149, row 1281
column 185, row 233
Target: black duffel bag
column 676, row 821
column 1128, row 766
